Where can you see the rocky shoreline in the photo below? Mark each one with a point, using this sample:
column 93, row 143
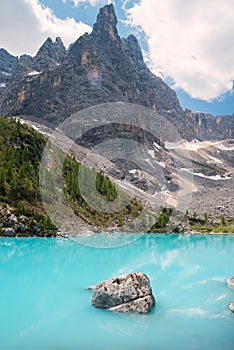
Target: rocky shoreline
column 12, row 225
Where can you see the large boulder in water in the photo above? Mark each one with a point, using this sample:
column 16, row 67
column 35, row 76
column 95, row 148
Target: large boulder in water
column 231, row 306
column 128, row 293
column 230, row 282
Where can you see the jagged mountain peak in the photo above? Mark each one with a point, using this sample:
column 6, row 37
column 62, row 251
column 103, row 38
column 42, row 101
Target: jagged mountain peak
column 58, row 40
column 47, row 45
column 105, row 30
column 5, row 55
column 99, row 67
column 50, row 43
column 58, row 44
column 25, row 57
column 53, row 50
column 90, row 49
column 4, row 52
column 106, row 15
column 49, row 55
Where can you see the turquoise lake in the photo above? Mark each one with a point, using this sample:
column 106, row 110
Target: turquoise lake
column 44, row 303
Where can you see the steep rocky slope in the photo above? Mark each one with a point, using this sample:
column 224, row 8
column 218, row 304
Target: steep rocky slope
column 194, row 176
column 212, row 128
column 7, row 66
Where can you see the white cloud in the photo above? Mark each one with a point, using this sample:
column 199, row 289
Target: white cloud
column 190, row 42
column 25, row 24
column 91, row 2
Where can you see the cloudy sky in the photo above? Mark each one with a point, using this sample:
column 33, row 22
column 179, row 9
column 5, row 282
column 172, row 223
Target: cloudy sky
column 189, row 43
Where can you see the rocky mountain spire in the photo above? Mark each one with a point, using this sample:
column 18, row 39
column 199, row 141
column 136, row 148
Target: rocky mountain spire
column 99, row 67
column 46, row 48
column 104, row 30
column 104, row 40
column 60, row 49
column 49, row 54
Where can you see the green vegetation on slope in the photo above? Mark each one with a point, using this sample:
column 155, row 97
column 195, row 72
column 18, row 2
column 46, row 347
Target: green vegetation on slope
column 163, row 218
column 21, row 149
column 101, row 215
column 20, row 152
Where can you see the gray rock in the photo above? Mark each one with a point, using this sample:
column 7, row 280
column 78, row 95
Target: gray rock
column 13, row 219
column 38, row 229
column 230, row 282
column 128, row 293
column 9, row 232
column 231, row 306
column 140, row 305
column 23, row 218
column 49, row 55
column 21, row 228
column 213, row 128
column 7, row 66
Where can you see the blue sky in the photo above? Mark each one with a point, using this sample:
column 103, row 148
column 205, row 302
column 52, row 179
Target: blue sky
column 187, row 43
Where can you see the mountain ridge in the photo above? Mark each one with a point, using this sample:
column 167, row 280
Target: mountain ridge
column 98, row 67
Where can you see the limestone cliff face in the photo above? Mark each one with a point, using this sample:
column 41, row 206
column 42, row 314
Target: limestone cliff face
column 212, row 128
column 7, row 66
column 28, row 91
column 99, row 67
column 106, row 68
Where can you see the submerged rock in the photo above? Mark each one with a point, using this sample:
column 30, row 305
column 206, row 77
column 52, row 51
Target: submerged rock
column 128, row 293
column 230, row 282
column 231, row 306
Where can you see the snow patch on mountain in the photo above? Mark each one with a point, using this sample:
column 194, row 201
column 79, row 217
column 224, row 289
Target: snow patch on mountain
column 34, row 72
column 212, row 177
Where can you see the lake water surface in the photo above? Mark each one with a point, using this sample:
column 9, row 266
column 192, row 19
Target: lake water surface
column 44, row 303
